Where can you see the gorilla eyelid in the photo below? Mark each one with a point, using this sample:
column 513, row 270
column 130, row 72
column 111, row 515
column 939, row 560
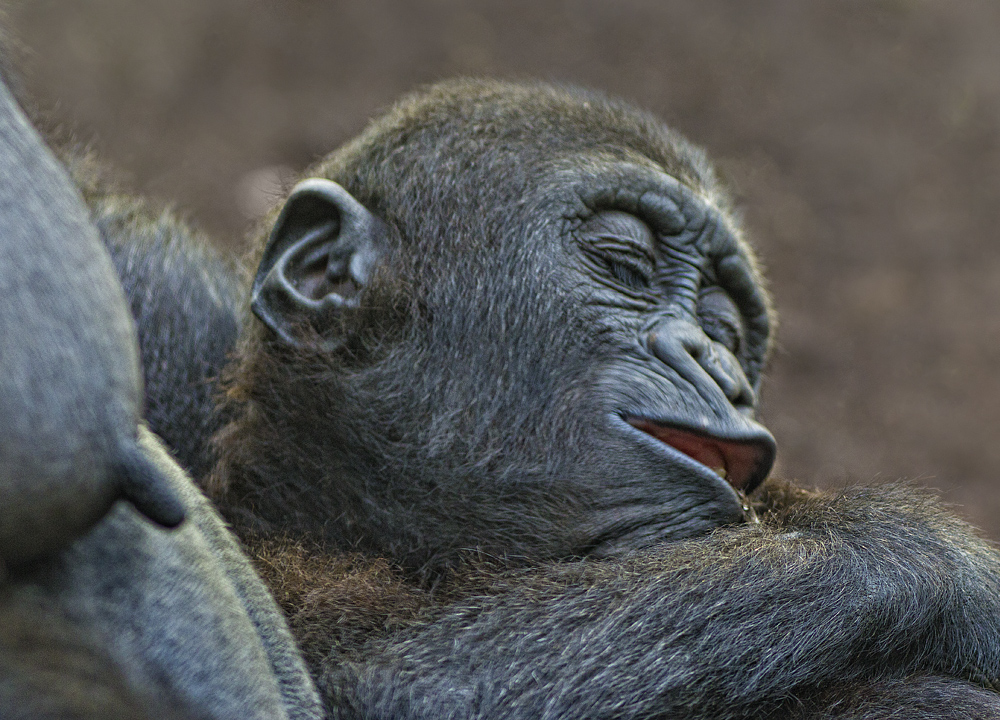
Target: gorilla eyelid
column 621, row 243
column 628, row 273
column 626, row 264
column 721, row 318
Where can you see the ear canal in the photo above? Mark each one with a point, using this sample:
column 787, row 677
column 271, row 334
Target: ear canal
column 320, row 255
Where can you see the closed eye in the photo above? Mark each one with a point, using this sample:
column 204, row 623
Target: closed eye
column 631, row 272
column 720, row 319
column 622, row 244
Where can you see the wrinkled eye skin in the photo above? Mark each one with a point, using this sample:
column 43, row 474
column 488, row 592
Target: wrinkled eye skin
column 625, row 253
column 622, row 246
column 721, row 319
column 628, row 270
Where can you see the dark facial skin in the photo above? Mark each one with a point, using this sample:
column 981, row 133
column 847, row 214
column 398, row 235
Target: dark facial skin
column 627, row 323
column 684, row 328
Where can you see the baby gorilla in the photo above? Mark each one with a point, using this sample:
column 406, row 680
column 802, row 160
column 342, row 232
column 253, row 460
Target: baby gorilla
column 491, row 431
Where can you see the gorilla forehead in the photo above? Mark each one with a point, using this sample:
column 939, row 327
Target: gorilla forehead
column 470, row 150
column 493, row 176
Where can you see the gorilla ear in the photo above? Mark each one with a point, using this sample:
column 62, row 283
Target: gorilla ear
column 321, row 253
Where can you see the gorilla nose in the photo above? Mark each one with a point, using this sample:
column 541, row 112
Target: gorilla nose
column 743, row 463
column 696, row 358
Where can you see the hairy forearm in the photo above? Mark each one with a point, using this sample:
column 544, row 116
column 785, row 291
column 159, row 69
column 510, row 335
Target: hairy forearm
column 824, row 590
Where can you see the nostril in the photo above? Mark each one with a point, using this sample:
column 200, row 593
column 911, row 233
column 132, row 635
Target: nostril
column 746, row 398
column 733, row 384
column 686, row 349
column 677, row 341
column 696, row 350
column 733, row 381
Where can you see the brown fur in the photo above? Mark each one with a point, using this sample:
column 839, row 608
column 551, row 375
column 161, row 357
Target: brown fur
column 335, row 602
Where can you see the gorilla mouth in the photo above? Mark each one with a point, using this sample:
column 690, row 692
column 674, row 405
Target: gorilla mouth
column 742, row 463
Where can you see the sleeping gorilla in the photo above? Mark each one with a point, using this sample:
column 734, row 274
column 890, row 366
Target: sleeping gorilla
column 490, row 433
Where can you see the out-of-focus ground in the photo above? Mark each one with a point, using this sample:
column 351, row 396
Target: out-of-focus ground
column 862, row 136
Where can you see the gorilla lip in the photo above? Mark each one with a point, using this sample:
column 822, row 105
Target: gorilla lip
column 735, row 461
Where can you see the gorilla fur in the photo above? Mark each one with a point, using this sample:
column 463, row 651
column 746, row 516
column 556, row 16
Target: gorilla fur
column 187, row 301
column 489, row 437
column 464, row 467
column 102, row 613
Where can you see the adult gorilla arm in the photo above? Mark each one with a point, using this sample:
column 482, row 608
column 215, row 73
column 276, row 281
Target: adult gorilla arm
column 70, row 390
column 794, row 616
column 103, row 614
column 134, row 621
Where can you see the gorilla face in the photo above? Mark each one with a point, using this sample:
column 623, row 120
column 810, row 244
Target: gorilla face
column 481, row 328
column 684, row 325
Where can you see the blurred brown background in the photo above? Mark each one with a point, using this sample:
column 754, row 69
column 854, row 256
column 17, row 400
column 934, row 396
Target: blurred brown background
column 862, row 136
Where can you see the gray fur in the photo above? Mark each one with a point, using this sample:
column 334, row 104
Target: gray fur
column 70, row 390
column 472, row 400
column 178, row 617
column 186, row 300
column 868, row 584
column 450, row 450
column 103, row 614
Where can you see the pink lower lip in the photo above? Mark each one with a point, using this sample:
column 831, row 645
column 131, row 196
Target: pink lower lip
column 735, row 461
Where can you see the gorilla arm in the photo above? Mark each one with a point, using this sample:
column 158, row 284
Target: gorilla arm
column 826, row 592
column 103, row 614
column 131, row 618
column 70, row 390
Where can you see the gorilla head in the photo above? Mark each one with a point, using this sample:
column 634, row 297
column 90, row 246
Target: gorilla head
column 513, row 318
